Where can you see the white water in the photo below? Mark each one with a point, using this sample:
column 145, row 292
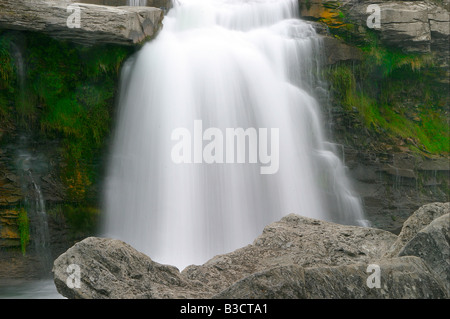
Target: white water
column 231, row 64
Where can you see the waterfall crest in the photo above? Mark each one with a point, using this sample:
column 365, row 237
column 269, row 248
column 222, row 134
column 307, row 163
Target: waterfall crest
column 229, row 64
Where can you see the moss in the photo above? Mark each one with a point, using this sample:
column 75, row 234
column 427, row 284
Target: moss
column 24, row 229
column 7, row 78
column 81, row 220
column 70, row 95
column 398, row 97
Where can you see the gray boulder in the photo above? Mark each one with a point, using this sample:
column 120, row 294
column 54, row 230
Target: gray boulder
column 432, row 244
column 112, row 269
column 284, row 282
column 297, row 257
column 400, row 278
column 415, row 223
column 97, row 24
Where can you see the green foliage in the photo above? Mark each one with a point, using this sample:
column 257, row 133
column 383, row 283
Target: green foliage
column 7, row 74
column 7, row 77
column 24, row 229
column 80, row 219
column 396, row 96
column 385, row 61
column 69, row 96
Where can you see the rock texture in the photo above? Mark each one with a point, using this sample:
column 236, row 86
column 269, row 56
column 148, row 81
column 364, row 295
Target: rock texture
column 98, row 24
column 416, row 222
column 392, row 184
column 112, row 269
column 163, row 4
column 297, row 257
column 413, row 26
column 336, row 50
column 432, row 244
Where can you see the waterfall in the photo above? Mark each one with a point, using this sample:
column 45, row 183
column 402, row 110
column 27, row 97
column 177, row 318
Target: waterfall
column 220, row 65
column 29, row 166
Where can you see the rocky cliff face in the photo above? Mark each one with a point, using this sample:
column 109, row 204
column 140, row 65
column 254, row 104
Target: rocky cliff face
column 413, row 26
column 390, row 178
column 296, row 257
column 95, row 24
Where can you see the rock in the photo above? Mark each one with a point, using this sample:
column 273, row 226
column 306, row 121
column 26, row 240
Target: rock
column 405, row 25
column 432, row 244
column 434, row 165
column 166, row 4
column 400, row 172
column 285, row 282
column 412, row 26
column 297, row 257
column 9, row 231
column 393, row 185
column 336, row 50
column 401, row 278
column 112, row 269
column 294, row 240
column 98, row 24
column 108, row 267
column 415, row 223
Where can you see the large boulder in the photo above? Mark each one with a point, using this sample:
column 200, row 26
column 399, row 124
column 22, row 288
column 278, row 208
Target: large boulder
column 297, row 257
column 400, row 278
column 415, row 223
column 432, row 244
column 112, row 269
column 294, row 240
column 97, row 24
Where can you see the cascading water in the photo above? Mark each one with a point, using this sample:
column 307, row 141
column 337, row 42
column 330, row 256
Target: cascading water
column 28, row 165
column 224, row 64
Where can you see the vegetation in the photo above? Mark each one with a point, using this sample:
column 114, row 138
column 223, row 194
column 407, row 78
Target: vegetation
column 397, row 97
column 7, row 76
column 82, row 220
column 24, row 229
column 69, row 94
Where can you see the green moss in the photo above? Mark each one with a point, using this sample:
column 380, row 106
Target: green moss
column 397, row 96
column 24, row 229
column 7, row 77
column 81, row 220
column 69, row 96
column 7, row 74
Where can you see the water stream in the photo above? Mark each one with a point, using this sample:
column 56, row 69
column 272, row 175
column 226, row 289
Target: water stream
column 220, row 65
